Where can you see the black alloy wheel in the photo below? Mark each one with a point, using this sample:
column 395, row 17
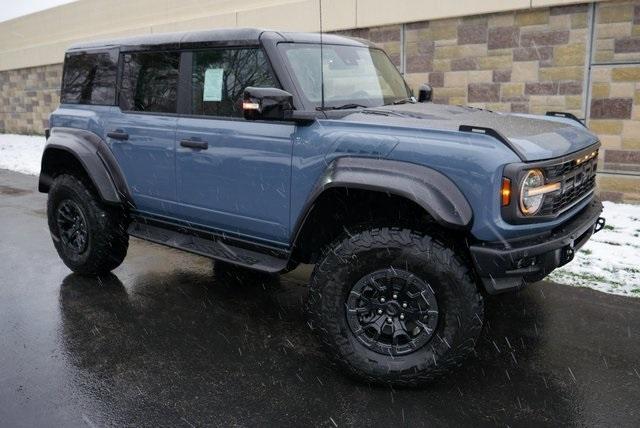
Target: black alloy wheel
column 394, row 306
column 392, row 311
column 90, row 236
column 72, row 225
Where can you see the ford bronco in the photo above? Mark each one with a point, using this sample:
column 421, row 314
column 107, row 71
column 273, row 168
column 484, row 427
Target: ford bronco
column 265, row 149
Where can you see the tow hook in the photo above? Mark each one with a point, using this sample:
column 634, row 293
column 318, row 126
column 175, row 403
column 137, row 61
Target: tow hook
column 599, row 225
column 567, row 255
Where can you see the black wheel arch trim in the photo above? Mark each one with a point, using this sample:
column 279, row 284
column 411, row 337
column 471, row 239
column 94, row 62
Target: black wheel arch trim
column 93, row 153
column 430, row 189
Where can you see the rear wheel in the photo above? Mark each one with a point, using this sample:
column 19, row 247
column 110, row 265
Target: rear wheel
column 394, row 306
column 90, row 237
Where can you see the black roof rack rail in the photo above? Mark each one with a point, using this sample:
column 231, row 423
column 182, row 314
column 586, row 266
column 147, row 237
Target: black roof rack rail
column 495, row 134
column 565, row 115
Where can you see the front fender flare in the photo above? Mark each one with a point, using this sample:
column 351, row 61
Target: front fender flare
column 430, row 189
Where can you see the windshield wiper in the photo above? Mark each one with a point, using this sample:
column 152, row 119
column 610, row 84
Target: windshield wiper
column 342, row 107
column 411, row 100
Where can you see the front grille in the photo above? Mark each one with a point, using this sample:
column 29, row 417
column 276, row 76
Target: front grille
column 577, row 178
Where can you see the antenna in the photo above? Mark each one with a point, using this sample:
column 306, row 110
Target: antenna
column 321, row 61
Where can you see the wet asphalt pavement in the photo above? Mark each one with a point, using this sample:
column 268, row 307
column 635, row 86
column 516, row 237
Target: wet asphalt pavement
column 168, row 340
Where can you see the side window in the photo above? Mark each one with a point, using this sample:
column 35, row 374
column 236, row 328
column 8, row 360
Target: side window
column 221, row 75
column 89, row 78
column 149, row 81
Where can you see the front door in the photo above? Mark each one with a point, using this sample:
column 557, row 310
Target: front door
column 141, row 131
column 233, row 175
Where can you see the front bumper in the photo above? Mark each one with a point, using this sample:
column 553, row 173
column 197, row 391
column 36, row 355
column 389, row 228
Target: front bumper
column 509, row 265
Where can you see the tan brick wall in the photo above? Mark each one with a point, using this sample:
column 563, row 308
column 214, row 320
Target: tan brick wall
column 615, row 87
column 617, row 36
column 42, row 37
column 387, row 37
column 27, row 97
column 529, row 61
column 534, row 61
column 614, row 112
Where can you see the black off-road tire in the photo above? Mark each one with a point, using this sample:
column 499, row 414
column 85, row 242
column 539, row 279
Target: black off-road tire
column 459, row 302
column 107, row 238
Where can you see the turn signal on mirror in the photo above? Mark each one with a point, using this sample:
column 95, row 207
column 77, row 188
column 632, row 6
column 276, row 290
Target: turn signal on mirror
column 247, row 105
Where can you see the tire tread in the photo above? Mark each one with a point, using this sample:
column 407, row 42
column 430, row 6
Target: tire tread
column 107, row 226
column 328, row 272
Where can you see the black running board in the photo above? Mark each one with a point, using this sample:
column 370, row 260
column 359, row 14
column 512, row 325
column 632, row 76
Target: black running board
column 210, row 245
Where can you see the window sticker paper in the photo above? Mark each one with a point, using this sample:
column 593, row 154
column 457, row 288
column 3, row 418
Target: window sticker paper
column 212, row 84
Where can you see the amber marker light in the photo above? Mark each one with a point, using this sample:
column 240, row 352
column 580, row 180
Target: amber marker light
column 586, row 158
column 506, row 191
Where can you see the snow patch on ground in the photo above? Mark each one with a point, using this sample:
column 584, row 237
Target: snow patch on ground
column 21, row 153
column 609, row 262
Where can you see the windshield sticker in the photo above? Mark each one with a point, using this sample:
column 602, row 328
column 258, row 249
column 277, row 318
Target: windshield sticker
column 213, row 84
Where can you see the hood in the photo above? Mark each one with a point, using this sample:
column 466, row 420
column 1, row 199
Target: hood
column 535, row 137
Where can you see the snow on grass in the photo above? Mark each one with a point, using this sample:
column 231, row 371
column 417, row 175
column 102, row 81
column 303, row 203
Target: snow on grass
column 610, row 261
column 21, row 153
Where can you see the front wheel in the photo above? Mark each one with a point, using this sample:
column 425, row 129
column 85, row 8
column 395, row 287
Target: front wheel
column 90, row 237
column 396, row 307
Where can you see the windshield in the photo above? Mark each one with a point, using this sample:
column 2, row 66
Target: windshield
column 352, row 75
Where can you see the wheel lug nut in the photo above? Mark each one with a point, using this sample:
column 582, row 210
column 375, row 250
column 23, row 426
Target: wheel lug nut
column 389, row 319
column 404, row 305
column 382, row 299
column 395, row 296
column 401, row 316
column 380, row 311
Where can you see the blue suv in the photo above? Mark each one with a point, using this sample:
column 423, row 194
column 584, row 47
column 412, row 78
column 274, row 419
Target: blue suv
column 264, row 150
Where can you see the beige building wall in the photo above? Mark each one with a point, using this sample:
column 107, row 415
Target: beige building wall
column 523, row 56
column 42, row 37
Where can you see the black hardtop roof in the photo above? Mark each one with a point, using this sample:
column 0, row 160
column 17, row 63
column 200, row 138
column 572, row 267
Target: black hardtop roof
column 223, row 36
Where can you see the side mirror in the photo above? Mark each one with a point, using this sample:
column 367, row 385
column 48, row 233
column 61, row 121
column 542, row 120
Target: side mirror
column 267, row 104
column 425, row 94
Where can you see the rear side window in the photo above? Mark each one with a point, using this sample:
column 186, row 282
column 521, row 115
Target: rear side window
column 221, row 75
column 89, row 78
column 150, row 81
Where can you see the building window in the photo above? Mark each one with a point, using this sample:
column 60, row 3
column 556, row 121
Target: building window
column 89, row 78
column 150, row 82
column 221, row 75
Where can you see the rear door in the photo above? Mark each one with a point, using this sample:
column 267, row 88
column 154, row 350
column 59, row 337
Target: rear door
column 233, row 175
column 141, row 131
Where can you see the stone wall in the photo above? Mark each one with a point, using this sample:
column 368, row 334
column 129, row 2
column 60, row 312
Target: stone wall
column 617, row 36
column 541, row 60
column 524, row 62
column 388, row 38
column 583, row 59
column 27, row 97
column 615, row 94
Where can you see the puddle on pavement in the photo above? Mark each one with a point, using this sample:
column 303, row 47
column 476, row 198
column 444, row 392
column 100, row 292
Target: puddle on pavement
column 12, row 191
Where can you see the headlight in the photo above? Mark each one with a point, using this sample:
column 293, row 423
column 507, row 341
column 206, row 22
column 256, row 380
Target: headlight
column 530, row 196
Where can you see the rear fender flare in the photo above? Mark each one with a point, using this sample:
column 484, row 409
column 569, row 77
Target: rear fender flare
column 93, row 153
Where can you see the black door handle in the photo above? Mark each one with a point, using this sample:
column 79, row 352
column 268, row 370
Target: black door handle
column 118, row 134
column 194, row 144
